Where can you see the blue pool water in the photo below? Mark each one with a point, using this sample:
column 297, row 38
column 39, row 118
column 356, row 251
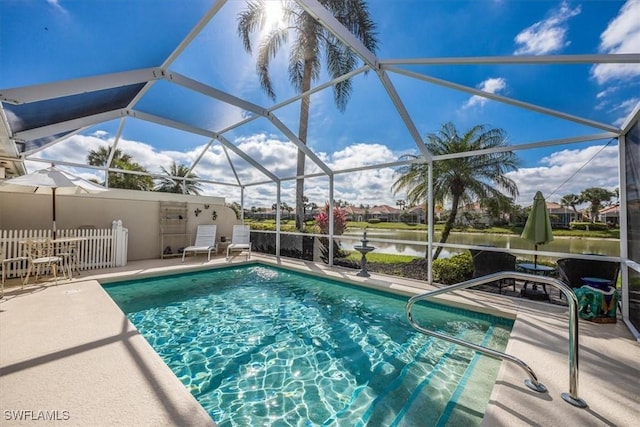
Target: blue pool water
column 264, row 346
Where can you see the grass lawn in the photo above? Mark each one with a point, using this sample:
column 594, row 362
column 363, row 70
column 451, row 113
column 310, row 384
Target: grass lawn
column 381, row 258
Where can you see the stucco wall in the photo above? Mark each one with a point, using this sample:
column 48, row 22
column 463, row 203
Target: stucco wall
column 138, row 210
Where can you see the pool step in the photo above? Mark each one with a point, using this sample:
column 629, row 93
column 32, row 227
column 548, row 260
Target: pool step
column 465, row 407
column 379, row 401
column 437, row 390
column 426, row 381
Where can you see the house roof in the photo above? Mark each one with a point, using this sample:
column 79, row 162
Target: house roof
column 613, row 209
column 384, row 210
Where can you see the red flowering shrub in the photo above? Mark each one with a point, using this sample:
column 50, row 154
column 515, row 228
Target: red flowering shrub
column 339, row 220
column 339, row 225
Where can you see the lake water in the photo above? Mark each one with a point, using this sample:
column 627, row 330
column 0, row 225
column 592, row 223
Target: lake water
column 610, row 247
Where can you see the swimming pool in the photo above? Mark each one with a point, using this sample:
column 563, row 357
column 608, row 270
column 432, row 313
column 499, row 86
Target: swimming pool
column 260, row 345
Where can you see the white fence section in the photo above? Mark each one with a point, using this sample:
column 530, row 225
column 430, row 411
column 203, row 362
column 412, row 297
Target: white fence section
column 98, row 248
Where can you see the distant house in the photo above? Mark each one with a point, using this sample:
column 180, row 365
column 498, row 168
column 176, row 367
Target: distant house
column 610, row 215
column 561, row 216
column 473, row 214
column 385, row 213
column 417, row 214
column 356, row 214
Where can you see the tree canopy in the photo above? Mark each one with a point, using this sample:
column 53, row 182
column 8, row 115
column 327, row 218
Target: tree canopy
column 170, row 184
column 461, row 178
column 123, row 161
column 307, row 40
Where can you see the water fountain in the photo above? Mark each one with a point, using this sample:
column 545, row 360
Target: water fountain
column 364, row 249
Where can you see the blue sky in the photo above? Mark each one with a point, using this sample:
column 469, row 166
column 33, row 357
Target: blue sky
column 47, row 41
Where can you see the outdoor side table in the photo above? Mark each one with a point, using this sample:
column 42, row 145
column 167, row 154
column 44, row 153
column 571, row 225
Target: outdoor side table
column 222, row 246
column 538, row 270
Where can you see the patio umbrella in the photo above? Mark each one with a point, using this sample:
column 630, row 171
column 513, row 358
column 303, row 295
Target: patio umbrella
column 51, row 181
column 538, row 226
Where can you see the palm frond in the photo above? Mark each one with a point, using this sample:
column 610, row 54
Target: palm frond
column 308, row 41
column 249, row 21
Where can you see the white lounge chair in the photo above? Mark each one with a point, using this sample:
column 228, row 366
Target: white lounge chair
column 240, row 241
column 205, row 241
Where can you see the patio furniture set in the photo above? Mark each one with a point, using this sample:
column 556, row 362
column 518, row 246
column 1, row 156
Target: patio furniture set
column 593, row 281
column 43, row 256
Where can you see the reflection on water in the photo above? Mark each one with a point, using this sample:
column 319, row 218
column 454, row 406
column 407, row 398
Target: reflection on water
column 610, row 247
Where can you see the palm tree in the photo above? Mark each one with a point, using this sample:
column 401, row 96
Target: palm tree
column 572, row 200
column 169, row 184
column 616, row 194
column 499, row 209
column 132, row 181
column 477, row 177
column 100, row 156
column 596, row 196
column 310, row 39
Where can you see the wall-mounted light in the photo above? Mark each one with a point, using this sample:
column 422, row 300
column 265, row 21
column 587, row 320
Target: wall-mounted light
column 197, row 211
column 214, row 215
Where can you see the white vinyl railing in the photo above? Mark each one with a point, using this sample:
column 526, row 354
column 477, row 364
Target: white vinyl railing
column 97, row 248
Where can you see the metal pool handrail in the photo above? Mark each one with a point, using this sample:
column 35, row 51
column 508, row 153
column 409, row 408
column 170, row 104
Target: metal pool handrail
column 532, row 382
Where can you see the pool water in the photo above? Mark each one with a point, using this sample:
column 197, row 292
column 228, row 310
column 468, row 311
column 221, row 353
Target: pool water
column 264, row 346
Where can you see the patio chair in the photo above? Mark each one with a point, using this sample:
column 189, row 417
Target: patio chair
column 488, row 262
column 4, row 265
column 572, row 270
column 41, row 254
column 68, row 248
column 240, row 241
column 205, row 241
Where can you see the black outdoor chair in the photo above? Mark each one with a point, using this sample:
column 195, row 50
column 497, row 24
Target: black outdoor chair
column 572, row 270
column 487, row 262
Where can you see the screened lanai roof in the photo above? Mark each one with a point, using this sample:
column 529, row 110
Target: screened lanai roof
column 167, row 82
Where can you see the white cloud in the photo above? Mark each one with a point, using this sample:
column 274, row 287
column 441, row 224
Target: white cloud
column 362, row 187
column 622, row 35
column 610, row 91
column 100, row 134
column 275, row 155
column 57, row 6
column 368, row 187
column 360, row 154
column 628, row 105
column 561, row 166
column 625, row 108
column 492, row 85
column 76, row 149
column 549, row 35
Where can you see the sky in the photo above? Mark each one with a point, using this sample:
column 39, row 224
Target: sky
column 56, row 40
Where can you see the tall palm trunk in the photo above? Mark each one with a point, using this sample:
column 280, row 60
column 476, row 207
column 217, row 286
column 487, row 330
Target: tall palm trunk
column 448, row 226
column 302, row 136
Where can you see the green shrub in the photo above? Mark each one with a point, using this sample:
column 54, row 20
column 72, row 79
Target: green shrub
column 455, row 269
column 591, row 226
column 374, row 220
column 269, row 226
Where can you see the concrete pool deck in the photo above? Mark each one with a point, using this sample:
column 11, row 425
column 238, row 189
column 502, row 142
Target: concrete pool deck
column 69, row 354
